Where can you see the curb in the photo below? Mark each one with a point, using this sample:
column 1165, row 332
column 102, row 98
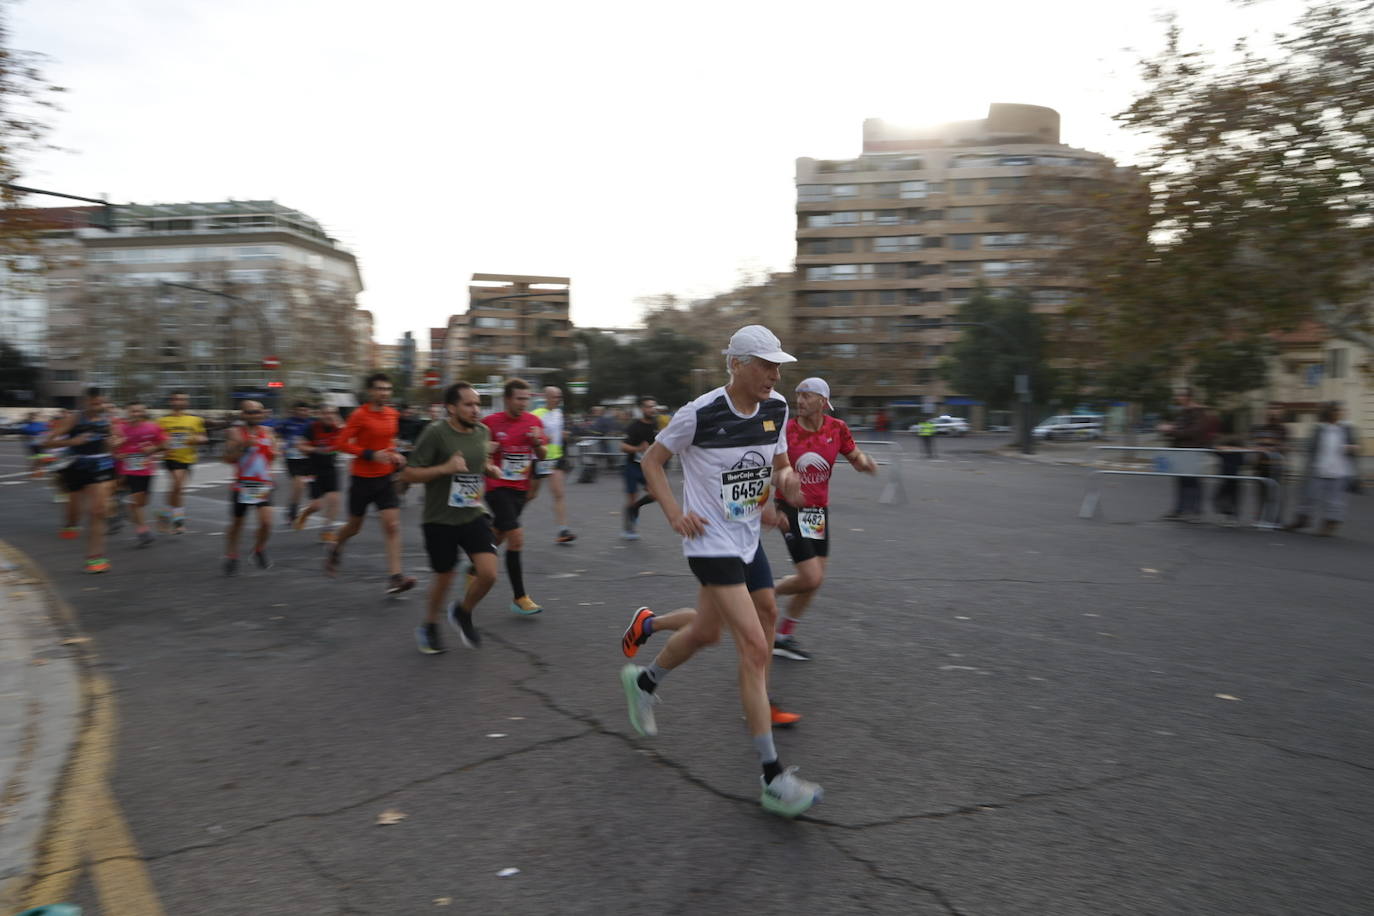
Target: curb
column 42, row 710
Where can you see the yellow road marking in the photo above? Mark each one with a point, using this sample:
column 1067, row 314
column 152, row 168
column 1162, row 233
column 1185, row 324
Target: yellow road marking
column 85, row 825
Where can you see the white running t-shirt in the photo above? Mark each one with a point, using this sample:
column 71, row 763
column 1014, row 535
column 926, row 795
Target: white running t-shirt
column 727, row 467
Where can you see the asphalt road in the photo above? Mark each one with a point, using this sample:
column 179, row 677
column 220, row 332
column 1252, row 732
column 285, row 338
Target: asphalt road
column 1012, row 710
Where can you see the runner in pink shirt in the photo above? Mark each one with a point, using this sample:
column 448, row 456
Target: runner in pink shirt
column 136, row 456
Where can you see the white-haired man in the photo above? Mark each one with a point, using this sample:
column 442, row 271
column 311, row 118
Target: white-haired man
column 733, row 452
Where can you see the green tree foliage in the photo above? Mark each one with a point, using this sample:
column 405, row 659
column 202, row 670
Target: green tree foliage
column 658, row 366
column 1260, row 193
column 1003, row 339
column 26, row 102
column 1232, row 368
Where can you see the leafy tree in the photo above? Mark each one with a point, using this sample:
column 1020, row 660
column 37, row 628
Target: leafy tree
column 1233, row 368
column 26, row 101
column 1003, row 339
column 660, row 366
column 1255, row 206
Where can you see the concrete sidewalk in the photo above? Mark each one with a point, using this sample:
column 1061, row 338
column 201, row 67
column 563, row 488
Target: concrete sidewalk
column 41, row 710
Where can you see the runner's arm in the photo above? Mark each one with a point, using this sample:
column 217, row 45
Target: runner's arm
column 862, row 461
column 233, row 445
column 656, row 482
column 789, row 484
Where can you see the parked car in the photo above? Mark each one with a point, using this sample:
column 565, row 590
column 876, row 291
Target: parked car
column 945, row 426
column 1070, row 426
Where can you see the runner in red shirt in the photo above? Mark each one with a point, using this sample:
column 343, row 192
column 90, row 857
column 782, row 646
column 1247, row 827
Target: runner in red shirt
column 814, row 441
column 321, row 448
column 518, row 440
column 251, row 448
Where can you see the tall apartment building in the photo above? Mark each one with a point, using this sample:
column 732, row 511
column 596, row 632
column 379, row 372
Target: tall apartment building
column 512, row 316
column 889, row 245
column 194, row 297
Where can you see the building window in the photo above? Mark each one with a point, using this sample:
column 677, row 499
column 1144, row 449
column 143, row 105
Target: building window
column 890, row 243
column 889, row 297
column 841, row 246
column 963, row 186
column 963, row 268
column 844, row 190
column 844, row 218
column 64, row 375
column 933, row 241
column 842, row 351
column 1336, row 362
column 1051, row 296
column 813, row 193
column 913, row 190
column 962, row 214
column 1006, row 240
column 963, row 242
column 960, row 296
column 887, row 271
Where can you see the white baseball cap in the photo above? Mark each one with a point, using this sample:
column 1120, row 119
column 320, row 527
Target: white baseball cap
column 814, row 386
column 756, row 340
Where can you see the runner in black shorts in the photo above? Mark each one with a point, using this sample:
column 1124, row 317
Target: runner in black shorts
column 294, row 433
column 321, row 448
column 91, row 440
column 732, row 450
column 451, row 461
column 815, row 442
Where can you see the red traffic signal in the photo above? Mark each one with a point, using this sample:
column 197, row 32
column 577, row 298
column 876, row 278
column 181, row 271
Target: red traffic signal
column 274, row 384
column 271, row 362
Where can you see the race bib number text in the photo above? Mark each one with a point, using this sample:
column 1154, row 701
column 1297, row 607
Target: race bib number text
column 812, row 523
column 743, row 492
column 253, row 493
column 466, row 491
column 515, row 466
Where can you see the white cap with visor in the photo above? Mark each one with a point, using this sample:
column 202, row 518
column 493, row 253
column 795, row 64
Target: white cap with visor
column 756, row 340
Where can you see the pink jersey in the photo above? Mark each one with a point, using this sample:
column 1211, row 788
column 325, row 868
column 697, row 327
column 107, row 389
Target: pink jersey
column 515, row 454
column 813, row 456
column 133, row 461
column 255, row 463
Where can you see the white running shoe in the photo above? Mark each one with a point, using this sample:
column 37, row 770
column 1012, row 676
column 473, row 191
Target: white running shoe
column 788, row 794
column 641, row 702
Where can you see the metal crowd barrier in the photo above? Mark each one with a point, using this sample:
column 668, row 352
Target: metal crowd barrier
column 1189, row 462
column 894, row 487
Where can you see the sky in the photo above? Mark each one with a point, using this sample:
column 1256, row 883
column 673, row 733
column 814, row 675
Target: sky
column 638, row 148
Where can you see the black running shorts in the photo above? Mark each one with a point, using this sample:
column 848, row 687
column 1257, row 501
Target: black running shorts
column 171, row 465
column 801, row 548
column 755, row 576
column 299, row 467
column 81, row 474
column 138, row 483
column 442, row 542
column 371, row 491
column 506, row 505
column 326, row 478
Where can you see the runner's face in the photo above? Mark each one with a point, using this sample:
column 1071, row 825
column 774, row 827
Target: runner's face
column 649, row 410
column 518, row 402
column 252, row 416
column 95, row 405
column 137, row 413
column 757, row 378
column 468, row 408
column 553, row 397
column 380, row 393
column 302, row 412
column 179, row 402
column 810, row 404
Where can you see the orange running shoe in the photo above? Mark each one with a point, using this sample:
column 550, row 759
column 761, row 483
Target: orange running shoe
column 328, row 537
column 782, row 718
column 97, row 565
column 69, row 534
column 637, row 633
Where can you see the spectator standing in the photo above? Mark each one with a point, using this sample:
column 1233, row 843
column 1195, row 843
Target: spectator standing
column 1330, row 471
column 1190, row 428
column 1271, row 439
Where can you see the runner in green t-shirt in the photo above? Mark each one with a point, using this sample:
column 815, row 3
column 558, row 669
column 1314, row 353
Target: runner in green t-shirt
column 451, row 461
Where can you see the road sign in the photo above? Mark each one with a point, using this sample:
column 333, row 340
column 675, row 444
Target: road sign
column 431, row 378
column 274, row 385
column 271, row 362
column 577, row 387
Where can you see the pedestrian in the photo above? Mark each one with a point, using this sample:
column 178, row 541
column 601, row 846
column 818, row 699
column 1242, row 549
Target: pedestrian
column 143, row 440
column 639, row 436
column 1189, row 428
column 554, row 465
column 450, row 460
column 185, row 435
column 370, row 437
column 731, row 444
column 1332, row 453
column 91, row 440
column 321, row 448
column 251, row 448
column 927, row 433
column 518, row 441
column 1270, row 438
column 1230, row 449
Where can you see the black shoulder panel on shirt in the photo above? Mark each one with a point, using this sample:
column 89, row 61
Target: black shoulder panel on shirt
column 719, row 427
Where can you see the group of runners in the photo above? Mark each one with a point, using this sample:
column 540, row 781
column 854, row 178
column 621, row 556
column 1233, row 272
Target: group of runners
column 746, row 465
